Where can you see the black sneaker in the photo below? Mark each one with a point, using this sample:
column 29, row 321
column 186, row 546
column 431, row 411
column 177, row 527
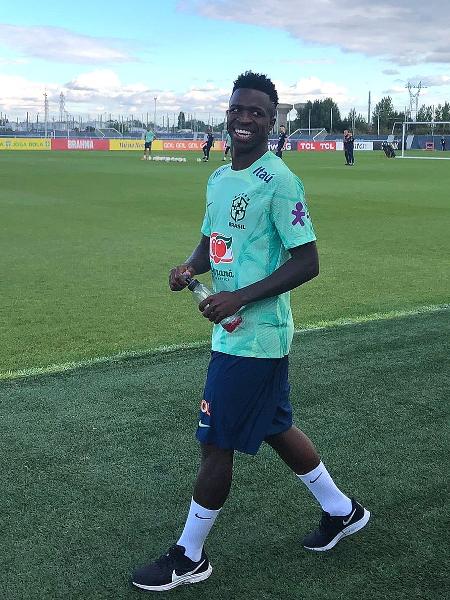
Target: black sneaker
column 332, row 529
column 171, row 570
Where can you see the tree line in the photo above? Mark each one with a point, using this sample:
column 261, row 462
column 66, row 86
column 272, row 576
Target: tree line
column 325, row 113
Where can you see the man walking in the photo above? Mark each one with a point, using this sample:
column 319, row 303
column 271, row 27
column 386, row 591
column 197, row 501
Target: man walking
column 258, row 206
column 148, row 140
column 281, row 141
column 208, row 144
column 227, row 147
column 349, row 143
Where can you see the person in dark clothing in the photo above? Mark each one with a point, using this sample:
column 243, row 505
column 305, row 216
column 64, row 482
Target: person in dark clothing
column 349, row 143
column 388, row 149
column 281, row 141
column 443, row 143
column 208, row 144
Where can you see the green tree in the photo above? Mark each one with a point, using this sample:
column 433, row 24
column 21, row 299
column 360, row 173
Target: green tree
column 384, row 114
column 317, row 114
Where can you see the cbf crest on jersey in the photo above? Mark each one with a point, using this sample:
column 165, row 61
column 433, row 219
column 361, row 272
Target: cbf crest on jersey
column 238, row 207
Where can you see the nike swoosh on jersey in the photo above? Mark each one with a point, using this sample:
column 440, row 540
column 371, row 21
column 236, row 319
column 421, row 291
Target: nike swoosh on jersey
column 176, row 577
column 200, row 424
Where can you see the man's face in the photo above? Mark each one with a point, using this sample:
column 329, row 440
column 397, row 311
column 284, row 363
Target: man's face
column 250, row 118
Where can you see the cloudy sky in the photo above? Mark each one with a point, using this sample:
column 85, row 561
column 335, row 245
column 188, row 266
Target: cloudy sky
column 111, row 57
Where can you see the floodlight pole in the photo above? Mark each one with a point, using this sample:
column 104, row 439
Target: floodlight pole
column 403, row 139
column 45, row 113
column 154, row 114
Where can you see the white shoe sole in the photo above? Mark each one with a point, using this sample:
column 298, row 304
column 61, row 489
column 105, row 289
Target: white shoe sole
column 347, row 531
column 182, row 581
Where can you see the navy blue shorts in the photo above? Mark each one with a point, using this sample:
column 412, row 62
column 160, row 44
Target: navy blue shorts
column 245, row 401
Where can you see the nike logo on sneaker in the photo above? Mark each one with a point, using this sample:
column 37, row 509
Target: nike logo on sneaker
column 314, row 480
column 204, row 518
column 347, row 521
column 176, row 577
column 200, row 424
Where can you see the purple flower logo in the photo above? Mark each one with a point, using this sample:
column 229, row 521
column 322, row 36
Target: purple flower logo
column 298, row 214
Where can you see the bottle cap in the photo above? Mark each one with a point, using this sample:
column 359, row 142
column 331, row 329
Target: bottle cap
column 192, row 283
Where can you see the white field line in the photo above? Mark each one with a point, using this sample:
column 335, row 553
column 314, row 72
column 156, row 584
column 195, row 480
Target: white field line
column 320, row 325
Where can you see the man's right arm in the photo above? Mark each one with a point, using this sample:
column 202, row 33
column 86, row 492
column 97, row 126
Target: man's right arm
column 196, row 264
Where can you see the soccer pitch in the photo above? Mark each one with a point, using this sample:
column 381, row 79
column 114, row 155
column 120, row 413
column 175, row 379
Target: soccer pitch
column 88, row 240
column 98, row 462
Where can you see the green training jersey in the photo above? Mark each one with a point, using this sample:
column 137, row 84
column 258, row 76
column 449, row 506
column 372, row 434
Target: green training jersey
column 253, row 217
column 149, row 136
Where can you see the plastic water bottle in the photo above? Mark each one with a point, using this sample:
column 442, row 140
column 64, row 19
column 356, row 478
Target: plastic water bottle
column 200, row 291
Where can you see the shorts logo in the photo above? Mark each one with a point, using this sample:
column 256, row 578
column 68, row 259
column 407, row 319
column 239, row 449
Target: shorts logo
column 220, row 248
column 238, row 207
column 204, row 407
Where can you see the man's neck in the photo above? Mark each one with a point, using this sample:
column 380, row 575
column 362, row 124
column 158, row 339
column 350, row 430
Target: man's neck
column 243, row 160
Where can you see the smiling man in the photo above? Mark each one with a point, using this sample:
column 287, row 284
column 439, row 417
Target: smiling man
column 257, row 207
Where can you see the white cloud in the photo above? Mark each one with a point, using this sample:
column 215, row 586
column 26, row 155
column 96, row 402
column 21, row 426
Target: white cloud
column 58, row 44
column 18, row 94
column 311, row 88
column 405, row 32
column 431, row 81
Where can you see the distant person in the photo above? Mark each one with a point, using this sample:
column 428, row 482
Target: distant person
column 388, row 149
column 349, row 143
column 227, row 147
column 208, row 143
column 443, row 143
column 281, row 141
column 148, row 140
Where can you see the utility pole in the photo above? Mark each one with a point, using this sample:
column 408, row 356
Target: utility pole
column 414, row 98
column 45, row 114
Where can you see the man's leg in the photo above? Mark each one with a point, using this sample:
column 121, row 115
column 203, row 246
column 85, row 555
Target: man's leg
column 342, row 516
column 211, row 489
column 186, row 562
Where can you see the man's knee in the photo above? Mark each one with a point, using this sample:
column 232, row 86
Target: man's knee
column 219, row 456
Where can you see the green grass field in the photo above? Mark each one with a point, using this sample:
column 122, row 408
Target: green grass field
column 98, row 462
column 87, row 240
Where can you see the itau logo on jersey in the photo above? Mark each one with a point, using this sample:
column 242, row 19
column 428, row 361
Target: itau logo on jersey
column 220, row 248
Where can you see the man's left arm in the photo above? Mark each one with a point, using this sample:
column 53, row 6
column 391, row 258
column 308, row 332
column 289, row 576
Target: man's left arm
column 300, row 268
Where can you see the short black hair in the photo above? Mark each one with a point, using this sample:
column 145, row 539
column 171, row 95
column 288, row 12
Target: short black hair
column 257, row 81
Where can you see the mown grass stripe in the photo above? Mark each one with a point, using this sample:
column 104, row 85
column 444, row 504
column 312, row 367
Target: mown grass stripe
column 126, row 354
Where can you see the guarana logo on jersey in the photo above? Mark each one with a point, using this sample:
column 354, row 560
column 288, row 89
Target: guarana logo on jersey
column 220, row 248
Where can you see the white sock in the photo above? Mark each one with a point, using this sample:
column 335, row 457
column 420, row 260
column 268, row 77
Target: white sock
column 198, row 525
column 325, row 491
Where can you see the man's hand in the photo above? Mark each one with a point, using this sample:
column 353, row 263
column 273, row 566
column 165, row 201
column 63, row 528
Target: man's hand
column 218, row 306
column 177, row 277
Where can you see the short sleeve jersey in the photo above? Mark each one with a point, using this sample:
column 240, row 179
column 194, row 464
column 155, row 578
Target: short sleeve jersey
column 149, row 136
column 253, row 217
